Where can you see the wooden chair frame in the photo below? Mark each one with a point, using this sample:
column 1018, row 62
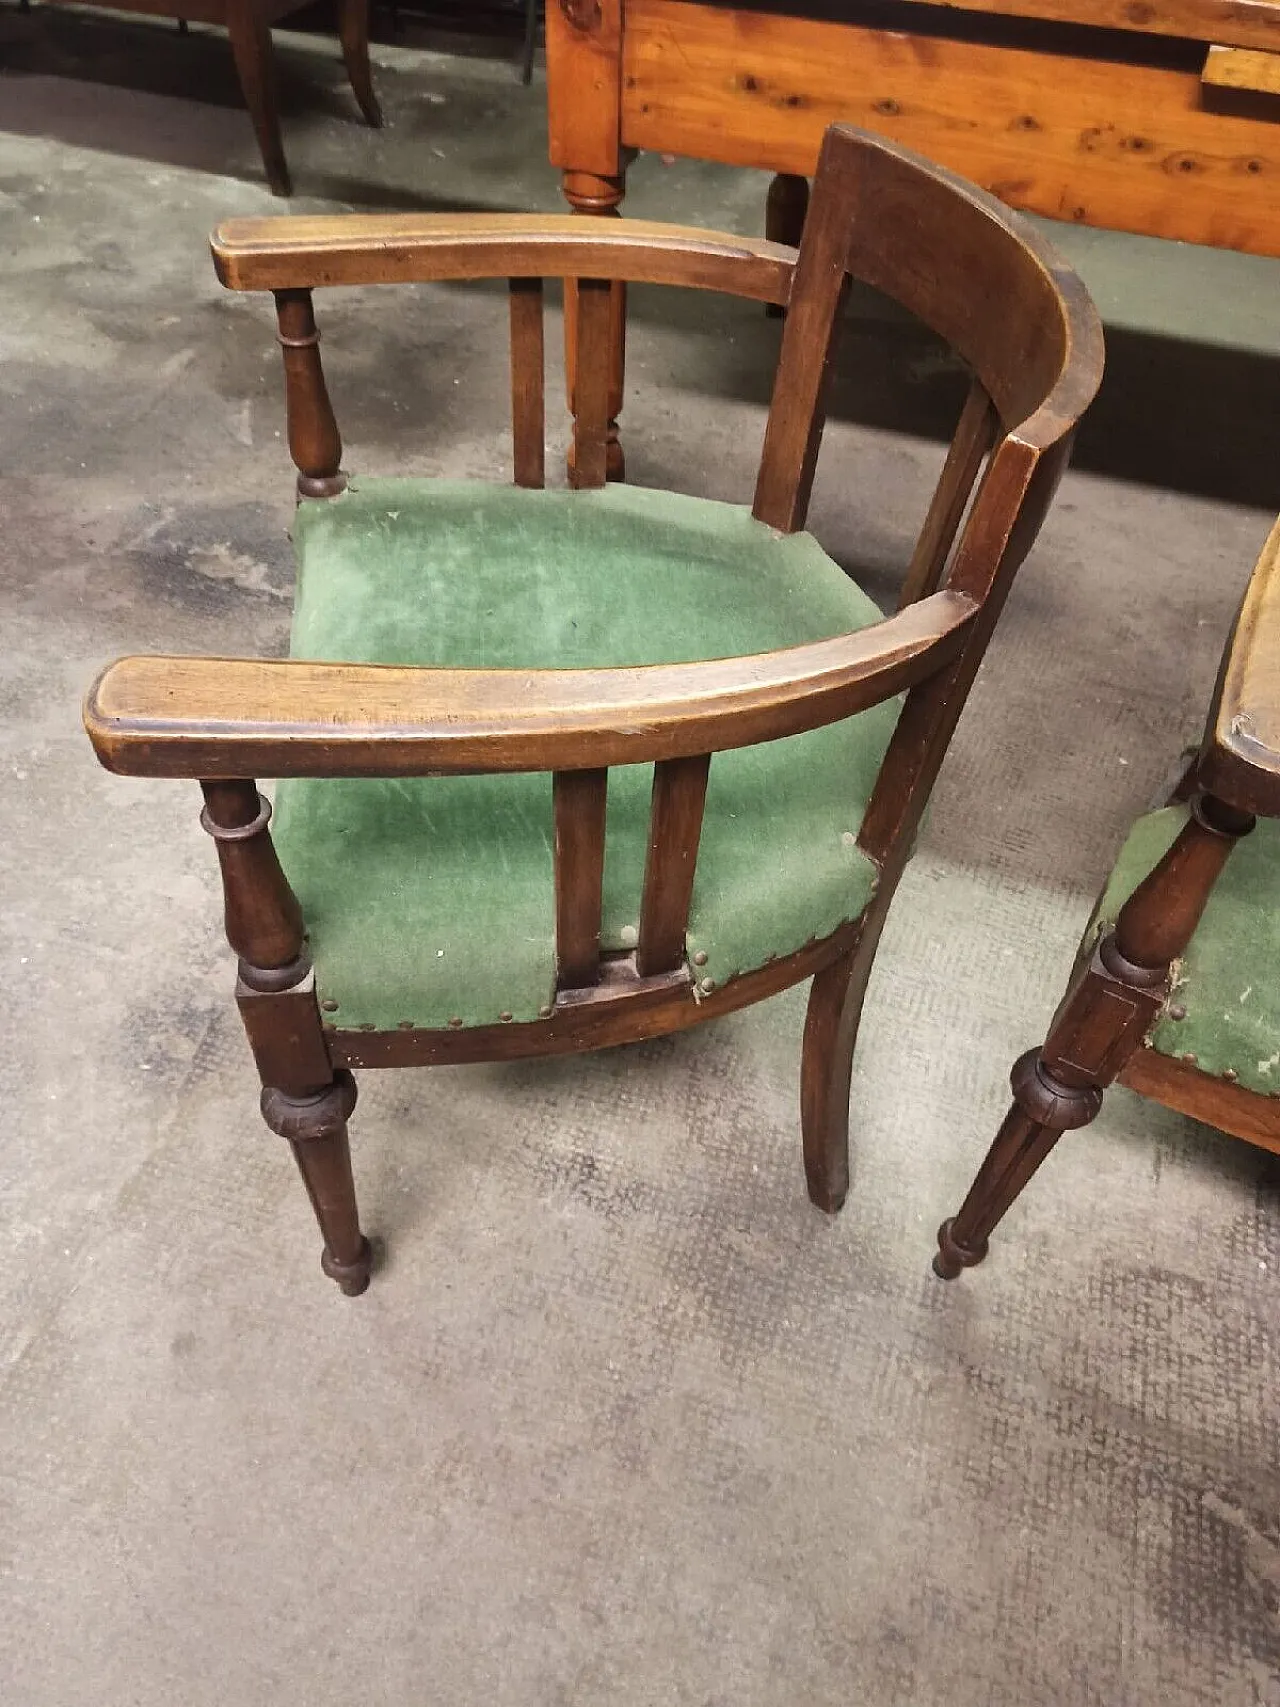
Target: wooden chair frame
column 1124, row 984
column 954, row 256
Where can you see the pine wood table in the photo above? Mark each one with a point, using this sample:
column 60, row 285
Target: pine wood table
column 1154, row 116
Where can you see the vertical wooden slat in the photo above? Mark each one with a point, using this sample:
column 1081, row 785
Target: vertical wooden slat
column 579, row 799
column 528, row 368
column 974, row 436
column 593, row 364
column 675, row 824
column 797, row 413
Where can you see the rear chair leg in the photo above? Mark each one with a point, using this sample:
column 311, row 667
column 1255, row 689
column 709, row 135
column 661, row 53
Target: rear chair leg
column 826, row 1064
column 353, row 29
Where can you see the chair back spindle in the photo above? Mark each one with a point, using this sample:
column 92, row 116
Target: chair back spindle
column 974, row 436
column 793, row 432
column 675, row 826
column 528, row 376
column 579, row 811
column 593, row 361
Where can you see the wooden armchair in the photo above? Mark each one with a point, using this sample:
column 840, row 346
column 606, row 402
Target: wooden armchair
column 563, row 769
column 1175, row 986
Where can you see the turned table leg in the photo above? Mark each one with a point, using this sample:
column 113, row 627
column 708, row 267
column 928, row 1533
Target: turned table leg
column 600, row 197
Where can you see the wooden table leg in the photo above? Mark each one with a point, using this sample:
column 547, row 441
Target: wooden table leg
column 600, row 197
column 584, row 115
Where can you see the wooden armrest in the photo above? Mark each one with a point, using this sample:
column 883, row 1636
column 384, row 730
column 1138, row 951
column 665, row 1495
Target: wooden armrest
column 247, row 717
column 1240, row 759
column 358, row 249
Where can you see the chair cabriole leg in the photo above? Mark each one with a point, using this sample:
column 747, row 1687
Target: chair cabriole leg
column 353, row 31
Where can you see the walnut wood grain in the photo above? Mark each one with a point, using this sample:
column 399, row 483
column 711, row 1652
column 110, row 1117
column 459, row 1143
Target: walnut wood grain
column 974, row 437
column 261, row 913
column 592, row 366
column 987, row 558
column 639, row 1009
column 1217, row 1102
column 1117, row 992
column 315, row 250
column 219, row 716
column 579, row 810
column 286, row 1036
column 528, row 377
column 314, row 442
column 1240, row 759
column 797, row 411
column 675, row 826
column 1159, row 919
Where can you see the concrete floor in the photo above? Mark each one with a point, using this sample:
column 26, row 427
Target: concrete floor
column 622, row 1419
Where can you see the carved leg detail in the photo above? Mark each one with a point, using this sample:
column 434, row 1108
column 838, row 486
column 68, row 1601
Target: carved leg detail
column 1043, row 1109
column 1114, row 998
column 353, row 30
column 600, row 198
column 316, row 1127
column 251, row 45
column 826, row 1066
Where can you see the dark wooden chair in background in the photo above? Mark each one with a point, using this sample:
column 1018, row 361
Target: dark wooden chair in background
column 563, row 769
column 248, row 24
column 1176, row 991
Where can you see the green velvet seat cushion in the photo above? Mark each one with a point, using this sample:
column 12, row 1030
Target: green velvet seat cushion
column 1229, row 979
column 432, row 899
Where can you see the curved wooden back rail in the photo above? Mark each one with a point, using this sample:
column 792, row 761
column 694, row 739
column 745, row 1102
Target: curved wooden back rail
column 956, row 259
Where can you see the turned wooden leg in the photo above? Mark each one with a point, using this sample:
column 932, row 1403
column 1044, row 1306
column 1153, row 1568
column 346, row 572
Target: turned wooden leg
column 316, row 1127
column 826, row 1064
column 785, row 208
column 353, row 31
column 1111, row 1005
column 251, row 45
column 304, row 1098
column 601, row 199
column 1043, row 1109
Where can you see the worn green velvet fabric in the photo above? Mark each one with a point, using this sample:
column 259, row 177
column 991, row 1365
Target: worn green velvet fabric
column 1229, row 979
column 432, row 898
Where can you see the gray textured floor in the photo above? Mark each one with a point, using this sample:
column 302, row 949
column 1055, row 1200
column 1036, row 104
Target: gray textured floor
column 623, row 1420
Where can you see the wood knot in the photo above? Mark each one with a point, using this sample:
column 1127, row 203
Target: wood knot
column 583, row 15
